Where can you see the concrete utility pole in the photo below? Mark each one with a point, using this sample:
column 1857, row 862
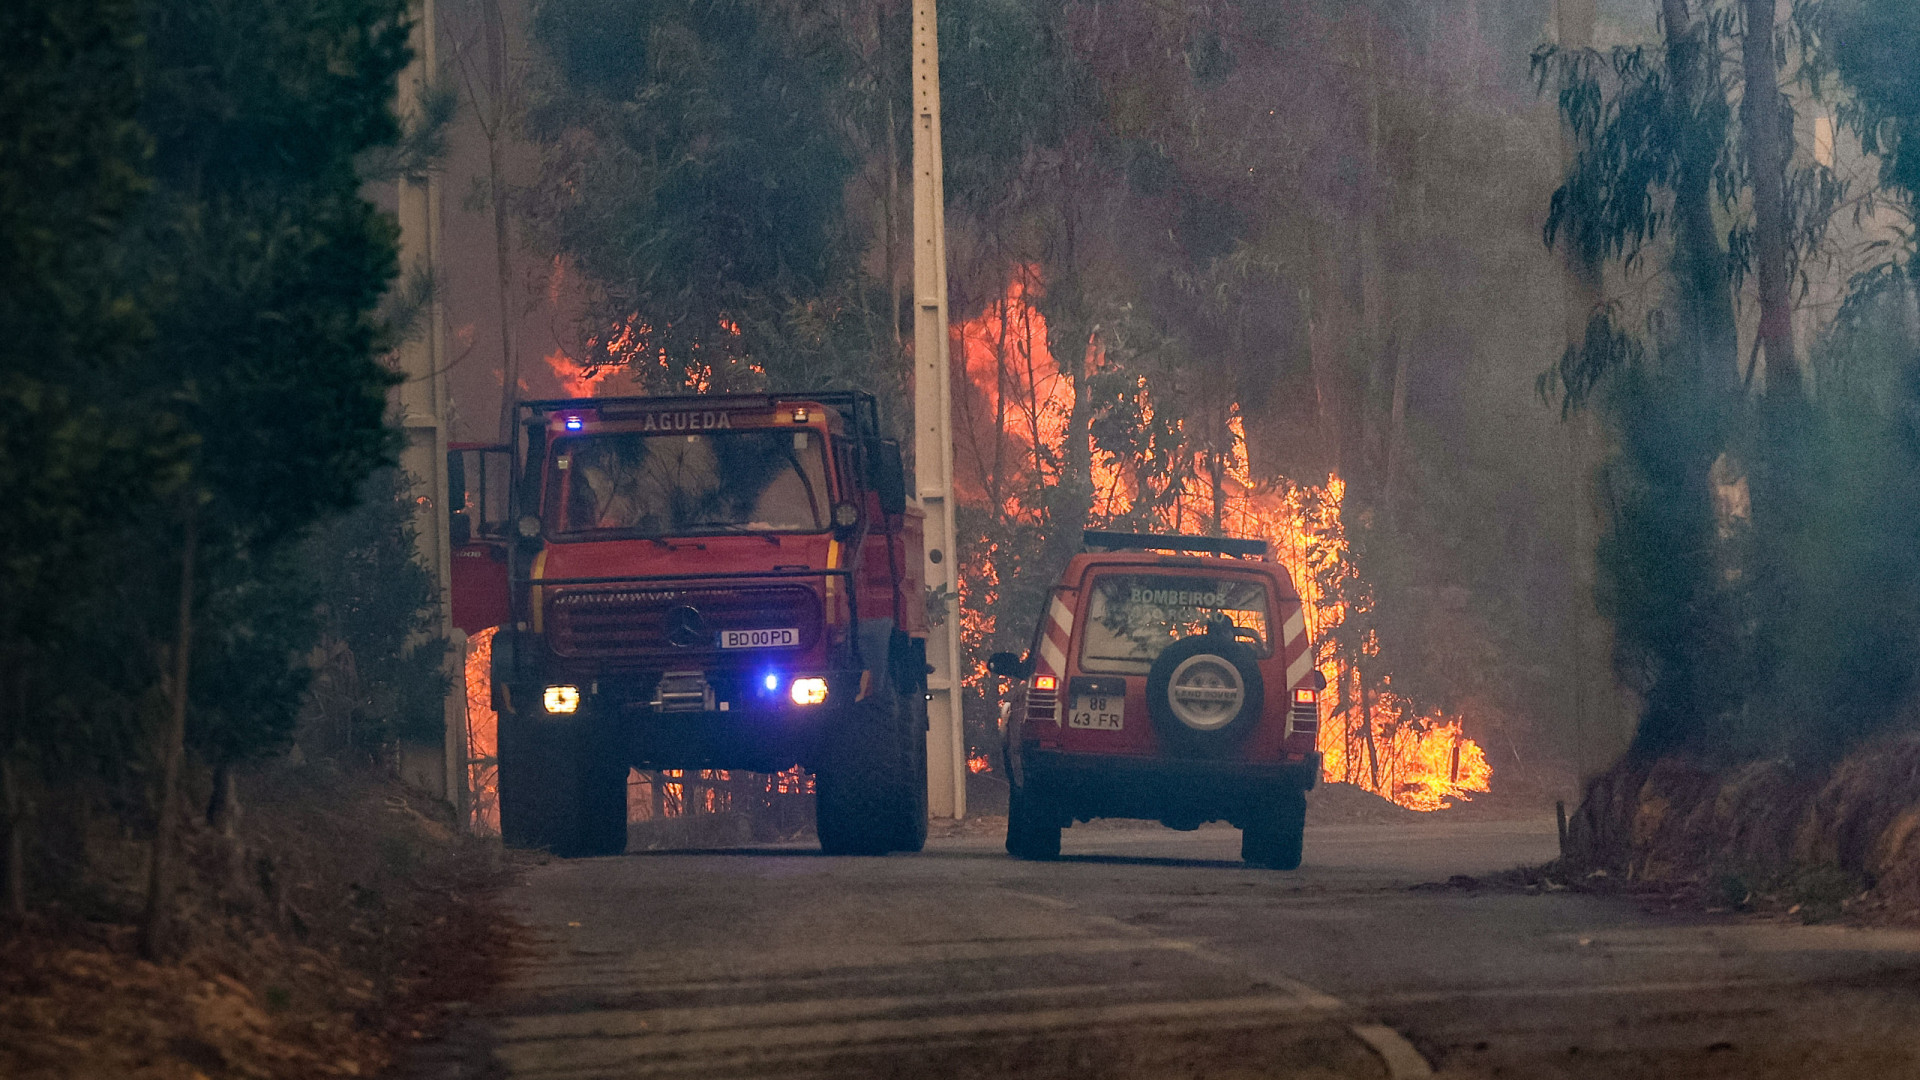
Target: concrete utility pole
column 932, row 426
column 421, row 402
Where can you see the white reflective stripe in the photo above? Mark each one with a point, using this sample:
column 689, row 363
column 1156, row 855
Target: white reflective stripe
column 1295, row 625
column 1056, row 660
column 1062, row 616
column 1297, row 671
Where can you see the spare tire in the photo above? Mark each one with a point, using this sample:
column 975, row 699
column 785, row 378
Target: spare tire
column 1205, row 694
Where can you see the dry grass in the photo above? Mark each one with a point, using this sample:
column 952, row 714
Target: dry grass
column 332, row 928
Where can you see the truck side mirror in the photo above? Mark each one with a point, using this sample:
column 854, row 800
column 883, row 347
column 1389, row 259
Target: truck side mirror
column 1008, row 665
column 460, row 534
column 1319, row 679
column 890, row 477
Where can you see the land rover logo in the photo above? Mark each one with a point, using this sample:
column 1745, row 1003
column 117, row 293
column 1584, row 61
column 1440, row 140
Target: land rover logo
column 687, row 628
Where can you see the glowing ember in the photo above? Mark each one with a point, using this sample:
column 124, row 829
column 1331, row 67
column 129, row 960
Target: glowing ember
column 978, row 763
column 1015, row 399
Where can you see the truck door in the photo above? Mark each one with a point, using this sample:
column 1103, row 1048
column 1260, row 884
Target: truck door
column 479, row 536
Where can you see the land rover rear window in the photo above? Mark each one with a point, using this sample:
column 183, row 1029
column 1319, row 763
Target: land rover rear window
column 1132, row 617
column 633, row 484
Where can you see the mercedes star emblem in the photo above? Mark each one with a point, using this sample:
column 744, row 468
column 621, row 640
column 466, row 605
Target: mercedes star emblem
column 686, row 628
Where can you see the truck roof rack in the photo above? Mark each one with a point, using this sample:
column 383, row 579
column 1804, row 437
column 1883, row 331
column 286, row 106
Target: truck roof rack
column 860, row 408
column 1223, row 545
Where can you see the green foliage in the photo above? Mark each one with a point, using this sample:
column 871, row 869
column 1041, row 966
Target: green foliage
column 1872, row 45
column 384, row 668
column 1760, row 550
column 189, row 278
column 75, row 457
column 256, row 628
column 273, row 261
column 702, row 180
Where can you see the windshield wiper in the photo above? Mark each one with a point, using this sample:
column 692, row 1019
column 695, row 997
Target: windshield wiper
column 731, row 528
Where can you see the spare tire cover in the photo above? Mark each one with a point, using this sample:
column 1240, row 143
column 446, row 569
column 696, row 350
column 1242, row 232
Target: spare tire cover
column 1205, row 693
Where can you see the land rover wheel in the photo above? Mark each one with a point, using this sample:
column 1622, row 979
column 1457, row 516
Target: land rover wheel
column 560, row 788
column 1275, row 834
column 872, row 783
column 1033, row 826
column 1204, row 694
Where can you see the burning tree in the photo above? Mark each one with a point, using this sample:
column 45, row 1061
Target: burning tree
column 1148, row 473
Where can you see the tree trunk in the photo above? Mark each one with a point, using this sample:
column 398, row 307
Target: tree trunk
column 1769, row 147
column 153, row 924
column 1366, row 723
column 223, row 808
column 494, row 128
column 1318, row 302
column 1698, row 257
column 996, row 494
column 13, row 812
column 1217, row 476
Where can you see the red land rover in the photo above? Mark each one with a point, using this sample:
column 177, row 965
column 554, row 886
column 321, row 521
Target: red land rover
column 1170, row 678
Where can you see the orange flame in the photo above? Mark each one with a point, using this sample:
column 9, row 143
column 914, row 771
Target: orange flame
column 1011, row 421
column 576, row 379
column 483, row 728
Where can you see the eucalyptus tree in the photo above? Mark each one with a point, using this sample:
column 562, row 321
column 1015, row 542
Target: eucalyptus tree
column 1743, row 512
column 72, row 167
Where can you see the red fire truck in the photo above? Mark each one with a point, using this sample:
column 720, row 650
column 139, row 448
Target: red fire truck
column 705, row 582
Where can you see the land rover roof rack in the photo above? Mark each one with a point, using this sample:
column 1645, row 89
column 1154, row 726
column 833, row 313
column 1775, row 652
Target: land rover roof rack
column 1224, row 545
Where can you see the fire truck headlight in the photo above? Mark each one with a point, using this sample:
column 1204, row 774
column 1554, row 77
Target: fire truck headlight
column 771, row 682
column 561, row 699
column 808, row 691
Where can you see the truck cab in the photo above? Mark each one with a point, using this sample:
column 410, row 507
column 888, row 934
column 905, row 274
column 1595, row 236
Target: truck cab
column 711, row 582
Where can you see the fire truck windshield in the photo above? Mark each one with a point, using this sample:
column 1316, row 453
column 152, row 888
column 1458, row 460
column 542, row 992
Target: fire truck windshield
column 659, row 485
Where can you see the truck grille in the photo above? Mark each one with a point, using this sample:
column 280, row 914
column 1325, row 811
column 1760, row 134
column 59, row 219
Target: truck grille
column 645, row 623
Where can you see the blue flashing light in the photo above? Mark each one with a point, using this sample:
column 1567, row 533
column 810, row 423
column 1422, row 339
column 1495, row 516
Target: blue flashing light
column 771, row 682
column 574, row 423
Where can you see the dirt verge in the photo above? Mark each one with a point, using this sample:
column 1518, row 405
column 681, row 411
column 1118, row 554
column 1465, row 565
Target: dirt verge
column 332, row 926
column 1815, row 843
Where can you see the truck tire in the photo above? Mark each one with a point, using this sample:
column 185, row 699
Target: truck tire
column 560, row 790
column 1033, row 827
column 1273, row 838
column 872, row 782
column 912, row 836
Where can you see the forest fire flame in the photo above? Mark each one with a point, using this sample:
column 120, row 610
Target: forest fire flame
column 1011, row 425
column 576, row 380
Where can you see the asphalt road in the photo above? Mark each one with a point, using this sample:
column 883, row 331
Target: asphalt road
column 1150, row 953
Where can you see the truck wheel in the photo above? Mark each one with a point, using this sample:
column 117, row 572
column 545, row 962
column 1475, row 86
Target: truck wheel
column 1033, row 829
column 873, row 783
column 560, row 790
column 1274, row 836
column 913, row 824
